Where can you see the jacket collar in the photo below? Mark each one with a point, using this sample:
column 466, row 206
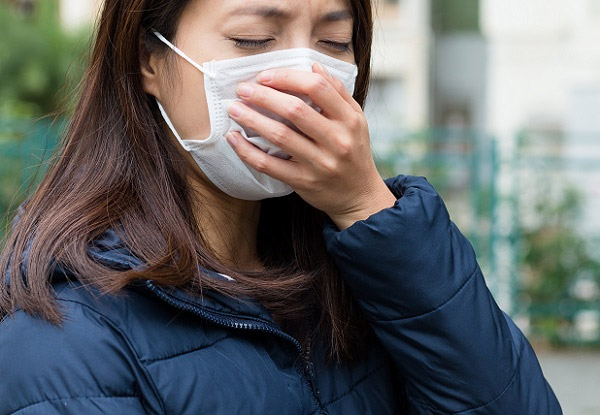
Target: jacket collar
column 110, row 250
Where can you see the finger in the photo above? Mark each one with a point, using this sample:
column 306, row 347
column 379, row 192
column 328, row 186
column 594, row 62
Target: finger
column 303, row 116
column 287, row 171
column 319, row 89
column 338, row 85
column 276, row 132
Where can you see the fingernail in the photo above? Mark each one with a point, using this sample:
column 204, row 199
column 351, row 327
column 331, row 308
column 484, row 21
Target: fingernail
column 244, row 90
column 231, row 139
column 265, row 76
column 235, row 110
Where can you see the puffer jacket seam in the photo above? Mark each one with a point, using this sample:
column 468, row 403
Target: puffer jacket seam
column 129, row 343
column 73, row 398
column 7, row 315
column 17, row 309
column 195, row 349
column 460, row 289
column 358, row 382
column 512, row 380
column 435, row 410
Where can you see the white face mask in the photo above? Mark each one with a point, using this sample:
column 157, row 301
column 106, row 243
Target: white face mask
column 214, row 155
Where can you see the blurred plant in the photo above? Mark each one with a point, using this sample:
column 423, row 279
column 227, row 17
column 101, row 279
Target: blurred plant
column 555, row 253
column 23, row 161
column 556, row 258
column 39, row 62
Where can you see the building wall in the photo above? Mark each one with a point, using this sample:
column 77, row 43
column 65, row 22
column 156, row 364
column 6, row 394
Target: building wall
column 459, row 81
column 75, row 14
column 542, row 52
column 544, row 77
column 399, row 95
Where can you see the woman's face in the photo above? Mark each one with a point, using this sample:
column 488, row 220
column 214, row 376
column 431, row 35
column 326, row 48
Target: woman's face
column 223, row 29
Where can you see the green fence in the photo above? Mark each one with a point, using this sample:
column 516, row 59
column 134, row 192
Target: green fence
column 530, row 208
column 530, row 212
column 557, row 235
column 24, row 146
column 462, row 165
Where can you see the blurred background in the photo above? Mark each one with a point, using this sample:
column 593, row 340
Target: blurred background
column 496, row 102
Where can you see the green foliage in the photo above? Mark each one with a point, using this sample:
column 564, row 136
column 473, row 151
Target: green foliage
column 456, row 16
column 39, row 62
column 555, row 253
column 555, row 257
column 25, row 149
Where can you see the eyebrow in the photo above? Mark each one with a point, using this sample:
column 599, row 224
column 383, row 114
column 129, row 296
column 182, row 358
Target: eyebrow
column 274, row 13
column 337, row 16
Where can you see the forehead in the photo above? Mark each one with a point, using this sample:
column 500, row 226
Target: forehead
column 316, row 10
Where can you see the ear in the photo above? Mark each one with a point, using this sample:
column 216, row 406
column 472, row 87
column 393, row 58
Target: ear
column 150, row 66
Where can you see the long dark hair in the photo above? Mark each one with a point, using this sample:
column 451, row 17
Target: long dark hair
column 117, row 168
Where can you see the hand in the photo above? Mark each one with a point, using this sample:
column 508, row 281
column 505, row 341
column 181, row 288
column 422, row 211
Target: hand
column 331, row 166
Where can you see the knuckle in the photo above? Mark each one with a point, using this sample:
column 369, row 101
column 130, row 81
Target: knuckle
column 298, row 179
column 297, row 109
column 329, row 165
column 260, row 95
column 261, row 164
column 319, row 85
column 344, row 148
column 338, row 84
column 282, row 75
column 308, row 182
column 279, row 135
column 242, row 154
column 355, row 121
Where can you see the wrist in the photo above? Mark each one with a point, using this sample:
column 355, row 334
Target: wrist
column 379, row 199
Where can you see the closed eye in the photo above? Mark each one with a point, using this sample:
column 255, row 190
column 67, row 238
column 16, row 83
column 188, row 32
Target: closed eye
column 264, row 44
column 252, row 43
column 342, row 47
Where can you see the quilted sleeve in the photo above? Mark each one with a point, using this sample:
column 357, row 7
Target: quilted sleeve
column 98, row 405
column 86, row 366
column 418, row 281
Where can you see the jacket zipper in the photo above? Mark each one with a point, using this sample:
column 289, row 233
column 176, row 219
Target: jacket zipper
column 245, row 323
column 309, row 363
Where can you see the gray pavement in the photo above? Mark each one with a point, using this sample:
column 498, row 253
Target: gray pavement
column 575, row 378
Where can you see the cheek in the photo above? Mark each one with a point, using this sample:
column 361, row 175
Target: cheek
column 186, row 105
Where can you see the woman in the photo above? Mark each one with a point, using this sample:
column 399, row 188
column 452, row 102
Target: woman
column 159, row 269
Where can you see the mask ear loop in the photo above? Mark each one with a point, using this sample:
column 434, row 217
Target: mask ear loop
column 183, row 55
column 171, row 126
column 160, row 107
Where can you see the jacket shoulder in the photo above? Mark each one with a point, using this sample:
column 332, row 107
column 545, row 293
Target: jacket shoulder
column 88, row 356
column 154, row 329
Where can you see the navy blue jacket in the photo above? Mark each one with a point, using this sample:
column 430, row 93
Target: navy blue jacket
column 443, row 345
